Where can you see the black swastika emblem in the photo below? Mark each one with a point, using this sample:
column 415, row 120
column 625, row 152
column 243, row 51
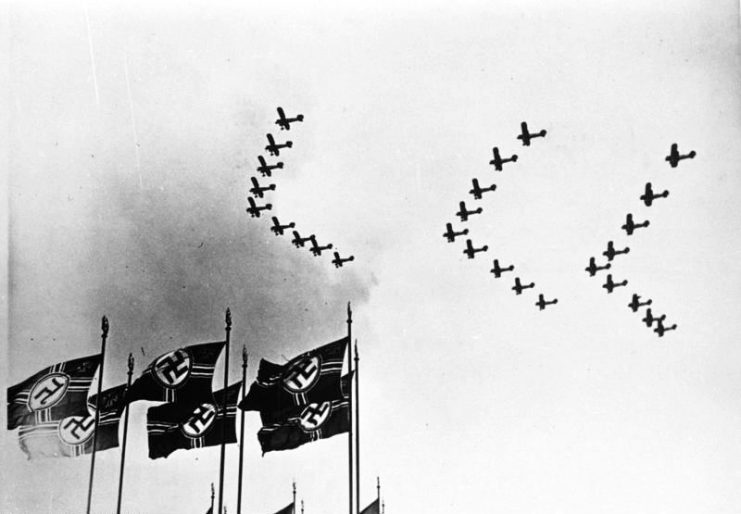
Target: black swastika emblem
column 76, row 429
column 200, row 422
column 314, row 416
column 302, row 374
column 172, row 369
column 48, row 391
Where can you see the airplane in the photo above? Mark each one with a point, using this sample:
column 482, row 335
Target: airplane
column 674, row 156
column 254, row 209
column 631, row 225
column 338, row 261
column 471, row 252
column 610, row 285
column 258, row 190
column 660, row 328
column 477, row 190
column 518, row 287
column 278, row 229
column 610, row 253
column 649, row 319
column 497, row 161
column 299, row 241
column 316, row 249
column 526, row 136
column 498, row 270
column 285, row 123
column 649, row 196
column 266, row 170
column 450, row 234
column 636, row 303
column 464, row 214
column 274, row 149
column 592, row 269
column 542, row 302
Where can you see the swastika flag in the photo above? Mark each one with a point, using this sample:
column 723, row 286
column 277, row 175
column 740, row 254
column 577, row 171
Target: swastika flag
column 183, row 375
column 176, row 426
column 313, row 376
column 306, row 424
column 53, row 393
column 372, row 508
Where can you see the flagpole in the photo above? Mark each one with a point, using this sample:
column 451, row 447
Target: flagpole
column 349, row 436
column 125, row 434
column 228, row 329
column 357, row 429
column 241, row 431
column 103, row 337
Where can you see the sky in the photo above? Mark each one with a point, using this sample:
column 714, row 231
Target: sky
column 132, row 134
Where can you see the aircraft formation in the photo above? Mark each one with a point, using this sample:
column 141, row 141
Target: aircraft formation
column 648, row 198
column 258, row 192
column 465, row 212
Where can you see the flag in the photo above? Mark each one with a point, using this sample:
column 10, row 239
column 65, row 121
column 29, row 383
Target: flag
column 183, row 375
column 175, row 426
column 53, row 393
column 306, row 424
column 288, row 509
column 373, row 508
column 313, row 376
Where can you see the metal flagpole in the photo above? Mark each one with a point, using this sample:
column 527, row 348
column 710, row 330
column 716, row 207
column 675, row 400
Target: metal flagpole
column 228, row 329
column 357, row 429
column 350, row 374
column 241, row 431
column 125, row 434
column 104, row 336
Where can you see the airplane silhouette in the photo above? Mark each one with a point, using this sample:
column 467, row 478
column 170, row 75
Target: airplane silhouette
column 274, row 149
column 285, row 123
column 316, row 249
column 477, row 190
column 498, row 270
column 258, row 190
column 497, row 161
column 526, row 136
column 649, row 196
column 660, row 328
column 471, row 252
column 649, row 319
column 266, row 170
column 450, row 234
column 542, row 302
column 592, row 269
column 630, row 225
column 338, row 261
column 610, row 285
column 636, row 303
column 299, row 241
column 518, row 287
column 674, row 156
column 610, row 253
column 278, row 229
column 464, row 214
column 255, row 209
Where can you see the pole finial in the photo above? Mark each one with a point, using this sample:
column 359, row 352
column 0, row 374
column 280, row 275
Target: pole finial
column 104, row 326
column 245, row 357
column 131, row 363
column 349, row 313
column 213, row 492
column 356, row 351
column 228, row 318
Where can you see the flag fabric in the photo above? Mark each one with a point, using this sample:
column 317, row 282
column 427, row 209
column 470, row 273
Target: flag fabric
column 288, row 509
column 176, row 426
column 312, row 377
column 53, row 393
column 306, row 424
column 373, row 508
column 183, row 375
column 73, row 436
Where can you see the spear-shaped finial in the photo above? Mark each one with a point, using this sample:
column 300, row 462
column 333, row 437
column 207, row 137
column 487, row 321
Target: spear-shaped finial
column 104, row 326
column 349, row 313
column 213, row 492
column 356, row 351
column 131, row 363
column 302, row 506
column 383, row 507
column 228, row 319
column 245, row 357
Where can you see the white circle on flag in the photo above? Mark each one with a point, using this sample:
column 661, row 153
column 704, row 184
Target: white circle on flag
column 314, row 416
column 302, row 374
column 48, row 391
column 76, row 430
column 172, row 369
column 200, row 421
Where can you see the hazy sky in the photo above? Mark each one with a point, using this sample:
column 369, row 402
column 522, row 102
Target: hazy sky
column 132, row 135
